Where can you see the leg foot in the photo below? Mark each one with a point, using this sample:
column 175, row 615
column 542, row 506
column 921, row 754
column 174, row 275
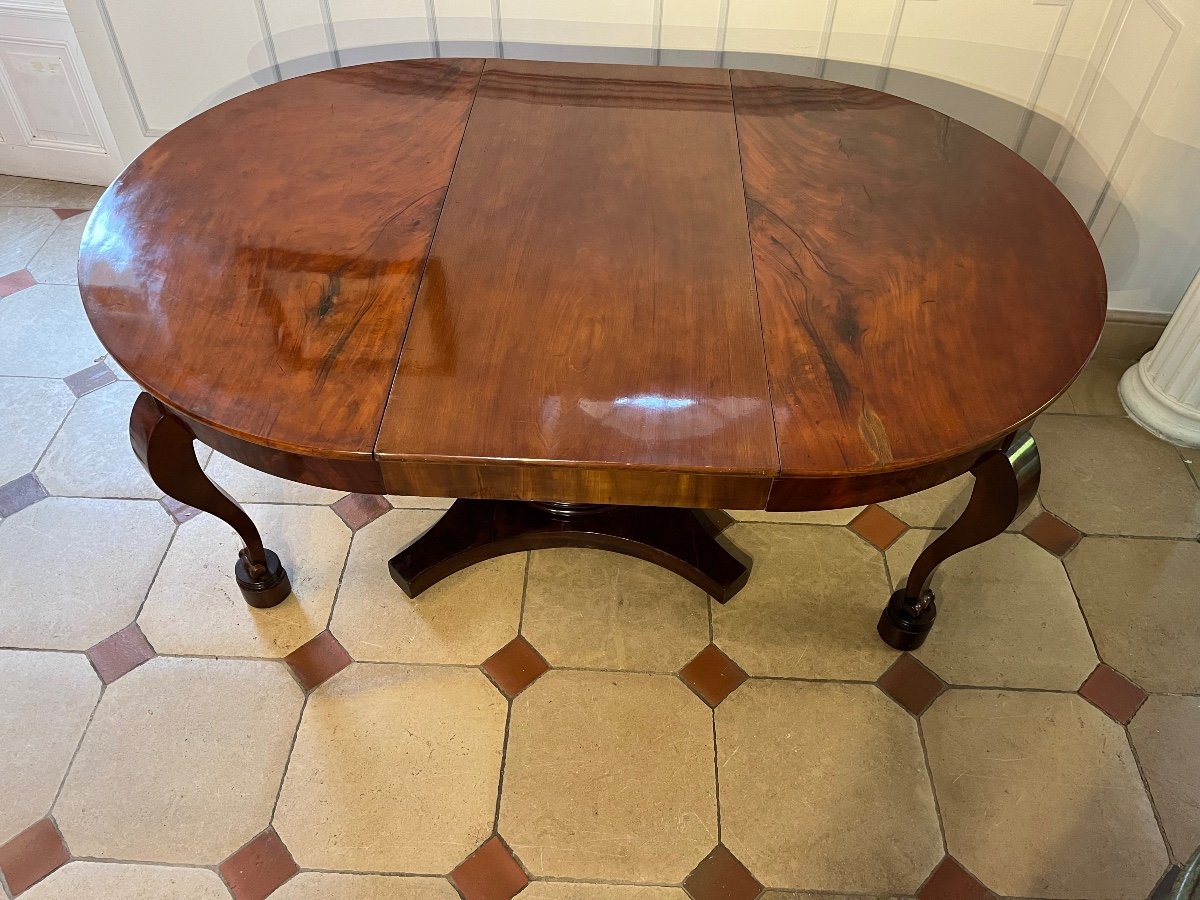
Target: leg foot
column 686, row 541
column 1006, row 480
column 164, row 444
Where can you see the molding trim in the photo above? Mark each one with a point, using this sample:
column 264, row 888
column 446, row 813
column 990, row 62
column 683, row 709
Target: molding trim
column 268, row 36
column 32, row 10
column 1048, row 57
column 331, row 34
column 1138, row 316
column 431, row 27
column 889, row 47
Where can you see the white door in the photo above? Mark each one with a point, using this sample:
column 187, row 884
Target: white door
column 51, row 122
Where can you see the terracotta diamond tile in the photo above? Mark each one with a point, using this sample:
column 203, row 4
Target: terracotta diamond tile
column 317, row 661
column 120, row 653
column 877, row 526
column 90, row 379
column 713, row 675
column 911, row 684
column 490, row 873
column 357, row 510
column 15, row 281
column 721, row 876
column 180, row 512
column 515, row 666
column 69, row 213
column 32, row 855
column 20, row 493
column 950, row 881
column 1112, row 693
column 257, row 869
column 1053, row 534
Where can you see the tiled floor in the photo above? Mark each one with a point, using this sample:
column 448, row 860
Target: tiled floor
column 568, row 724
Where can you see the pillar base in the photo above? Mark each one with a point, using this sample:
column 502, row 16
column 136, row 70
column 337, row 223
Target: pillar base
column 1155, row 411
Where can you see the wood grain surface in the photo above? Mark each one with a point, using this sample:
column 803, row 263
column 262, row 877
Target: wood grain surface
column 644, row 286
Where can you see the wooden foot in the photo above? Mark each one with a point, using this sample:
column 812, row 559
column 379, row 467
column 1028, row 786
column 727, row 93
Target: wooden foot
column 1006, row 480
column 685, row 541
column 165, row 445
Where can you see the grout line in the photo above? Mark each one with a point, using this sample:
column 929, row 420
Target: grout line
column 937, row 806
column 83, row 734
column 154, row 578
column 509, row 711
column 1137, row 762
column 288, row 760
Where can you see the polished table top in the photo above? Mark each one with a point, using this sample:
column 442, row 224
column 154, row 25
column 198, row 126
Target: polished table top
column 593, row 283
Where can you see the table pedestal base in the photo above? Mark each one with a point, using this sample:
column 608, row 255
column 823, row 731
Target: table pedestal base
column 685, row 541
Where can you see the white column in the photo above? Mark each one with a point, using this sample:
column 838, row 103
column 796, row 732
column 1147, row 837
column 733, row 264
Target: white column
column 1162, row 392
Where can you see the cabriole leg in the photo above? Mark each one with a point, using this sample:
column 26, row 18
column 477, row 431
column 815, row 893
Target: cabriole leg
column 164, row 444
column 1006, row 480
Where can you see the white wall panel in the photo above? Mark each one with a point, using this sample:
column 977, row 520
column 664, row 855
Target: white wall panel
column 781, row 35
column 181, row 58
column 467, row 28
column 691, row 32
column 301, row 34
column 613, row 31
column 370, row 30
column 861, row 40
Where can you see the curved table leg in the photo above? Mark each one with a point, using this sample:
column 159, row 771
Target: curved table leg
column 164, row 444
column 685, row 541
column 1006, row 480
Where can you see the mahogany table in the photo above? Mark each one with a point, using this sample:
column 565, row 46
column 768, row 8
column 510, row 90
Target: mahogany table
column 592, row 302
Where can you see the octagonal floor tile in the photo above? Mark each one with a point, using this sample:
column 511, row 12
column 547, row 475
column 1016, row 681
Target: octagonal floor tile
column 810, row 607
column 1139, row 597
column 182, row 761
column 1166, row 733
column 824, row 787
column 1007, row 616
column 45, row 702
column 91, row 457
column 249, row 485
column 1041, row 797
column 1106, row 475
column 592, row 609
column 340, row 886
column 44, row 332
column 31, row 409
column 395, row 769
column 609, row 776
column 195, row 607
column 118, row 881
column 461, row 620
column 72, row 572
column 58, row 260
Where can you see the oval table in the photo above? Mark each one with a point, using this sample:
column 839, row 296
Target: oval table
column 592, row 302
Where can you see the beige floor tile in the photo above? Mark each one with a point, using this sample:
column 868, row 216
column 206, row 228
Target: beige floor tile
column 816, row 517
column 182, row 761
column 45, row 702
column 340, row 886
column 464, row 619
column 45, row 333
column 936, row 507
column 22, row 233
column 91, row 455
column 247, row 485
column 82, row 880
column 805, row 895
column 400, row 502
column 1139, row 597
column 1094, row 392
column 41, row 192
column 57, row 261
column 810, row 607
column 609, row 776
column 72, row 572
column 31, row 409
column 116, row 369
column 1166, row 735
column 1128, row 340
column 824, row 787
column 1040, row 795
column 1007, row 616
column 594, row 609
column 195, row 607
column 575, row 890
column 1108, row 476
column 395, row 769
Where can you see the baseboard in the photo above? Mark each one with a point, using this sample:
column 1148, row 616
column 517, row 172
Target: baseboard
column 1138, row 316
